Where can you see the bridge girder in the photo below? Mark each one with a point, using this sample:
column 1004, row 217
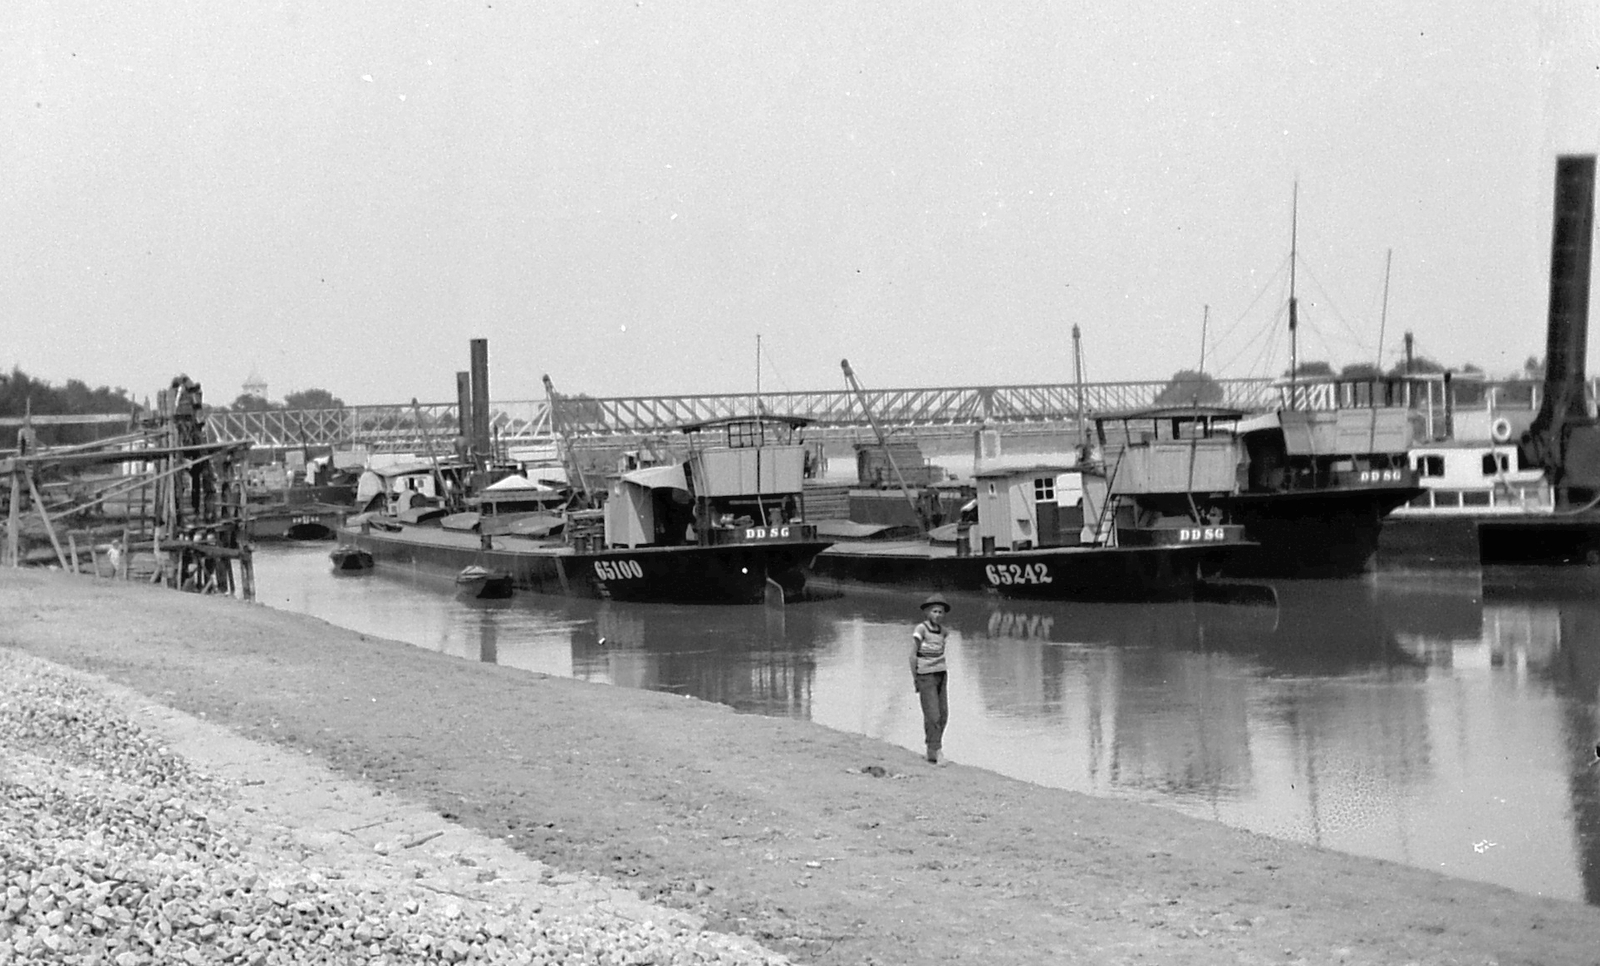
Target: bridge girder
column 398, row 427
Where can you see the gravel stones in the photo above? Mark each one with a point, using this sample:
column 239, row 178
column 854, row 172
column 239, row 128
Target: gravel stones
column 116, row 849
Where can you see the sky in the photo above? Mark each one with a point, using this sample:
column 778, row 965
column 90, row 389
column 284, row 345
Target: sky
column 646, row 198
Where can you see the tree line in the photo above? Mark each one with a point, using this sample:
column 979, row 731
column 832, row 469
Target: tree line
column 21, row 394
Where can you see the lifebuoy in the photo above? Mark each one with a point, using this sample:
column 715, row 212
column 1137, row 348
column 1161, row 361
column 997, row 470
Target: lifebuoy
column 1501, row 430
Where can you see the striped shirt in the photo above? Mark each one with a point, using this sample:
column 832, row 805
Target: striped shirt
column 929, row 640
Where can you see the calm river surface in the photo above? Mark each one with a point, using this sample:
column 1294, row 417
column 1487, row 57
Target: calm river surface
column 1448, row 722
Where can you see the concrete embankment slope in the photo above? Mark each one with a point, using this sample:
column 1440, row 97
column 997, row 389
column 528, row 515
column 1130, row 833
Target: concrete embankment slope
column 827, row 847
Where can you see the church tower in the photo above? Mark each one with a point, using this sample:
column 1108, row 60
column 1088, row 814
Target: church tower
column 254, row 385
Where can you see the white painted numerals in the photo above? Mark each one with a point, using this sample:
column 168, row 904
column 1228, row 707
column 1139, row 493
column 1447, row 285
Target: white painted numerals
column 1381, row 476
column 1036, row 573
column 1201, row 534
column 617, row 569
column 766, row 533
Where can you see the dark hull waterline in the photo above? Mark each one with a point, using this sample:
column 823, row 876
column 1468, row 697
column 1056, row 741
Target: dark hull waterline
column 729, row 574
column 1443, row 541
column 1315, row 535
column 1099, row 574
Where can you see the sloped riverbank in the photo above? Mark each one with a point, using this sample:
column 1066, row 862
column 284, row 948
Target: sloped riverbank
column 821, row 846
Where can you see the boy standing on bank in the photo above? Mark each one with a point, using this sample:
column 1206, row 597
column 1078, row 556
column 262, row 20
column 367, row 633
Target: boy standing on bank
column 928, row 672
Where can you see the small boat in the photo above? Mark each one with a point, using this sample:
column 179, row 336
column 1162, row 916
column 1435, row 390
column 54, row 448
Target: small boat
column 346, row 557
column 484, row 583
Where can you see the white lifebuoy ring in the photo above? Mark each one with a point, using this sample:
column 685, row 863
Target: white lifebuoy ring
column 1501, row 430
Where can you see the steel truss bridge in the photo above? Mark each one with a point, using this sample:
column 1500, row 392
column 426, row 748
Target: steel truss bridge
column 835, row 414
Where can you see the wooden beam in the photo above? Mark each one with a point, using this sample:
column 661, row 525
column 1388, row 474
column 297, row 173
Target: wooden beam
column 66, row 419
column 48, row 529
column 14, row 524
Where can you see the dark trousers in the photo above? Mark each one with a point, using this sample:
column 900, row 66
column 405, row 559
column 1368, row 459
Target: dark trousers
column 935, row 706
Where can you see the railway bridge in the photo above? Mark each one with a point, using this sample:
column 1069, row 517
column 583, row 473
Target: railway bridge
column 835, row 414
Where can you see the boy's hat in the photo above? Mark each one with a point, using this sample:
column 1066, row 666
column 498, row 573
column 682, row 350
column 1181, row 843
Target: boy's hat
column 936, row 599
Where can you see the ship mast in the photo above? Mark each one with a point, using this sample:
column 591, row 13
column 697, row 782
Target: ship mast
column 1294, row 303
column 1077, row 375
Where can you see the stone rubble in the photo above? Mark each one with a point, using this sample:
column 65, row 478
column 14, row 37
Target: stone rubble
column 117, row 851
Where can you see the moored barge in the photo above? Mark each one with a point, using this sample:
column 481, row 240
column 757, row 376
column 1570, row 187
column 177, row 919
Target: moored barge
column 724, row 525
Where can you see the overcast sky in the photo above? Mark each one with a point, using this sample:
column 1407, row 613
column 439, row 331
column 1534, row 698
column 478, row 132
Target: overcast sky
column 626, row 194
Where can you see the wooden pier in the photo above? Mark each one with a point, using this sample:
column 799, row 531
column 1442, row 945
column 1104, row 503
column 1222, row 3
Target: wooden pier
column 160, row 502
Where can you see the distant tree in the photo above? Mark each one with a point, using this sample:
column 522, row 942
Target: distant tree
column 21, row 394
column 1188, row 387
column 1360, row 370
column 1533, row 368
column 1313, row 368
column 250, row 403
column 581, row 409
column 1419, row 365
column 312, row 399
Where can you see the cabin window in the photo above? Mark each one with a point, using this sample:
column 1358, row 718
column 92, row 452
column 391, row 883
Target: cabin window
column 1475, row 498
column 742, row 435
column 1494, row 463
column 1430, row 465
column 1044, row 489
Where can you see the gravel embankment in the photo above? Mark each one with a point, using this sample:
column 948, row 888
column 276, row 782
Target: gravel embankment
column 115, row 849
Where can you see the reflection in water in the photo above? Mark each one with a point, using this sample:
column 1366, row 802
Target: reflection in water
column 743, row 658
column 1444, row 722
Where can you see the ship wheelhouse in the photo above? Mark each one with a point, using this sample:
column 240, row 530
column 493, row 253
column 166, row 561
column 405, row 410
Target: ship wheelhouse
column 742, row 482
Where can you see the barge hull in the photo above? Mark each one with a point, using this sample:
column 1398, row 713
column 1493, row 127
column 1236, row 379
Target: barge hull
column 1121, row 574
column 733, row 573
column 1317, row 535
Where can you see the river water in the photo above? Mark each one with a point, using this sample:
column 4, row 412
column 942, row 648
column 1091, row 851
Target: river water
column 1450, row 722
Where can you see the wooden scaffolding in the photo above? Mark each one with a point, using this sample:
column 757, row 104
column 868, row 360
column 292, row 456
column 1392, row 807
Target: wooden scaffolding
column 159, row 503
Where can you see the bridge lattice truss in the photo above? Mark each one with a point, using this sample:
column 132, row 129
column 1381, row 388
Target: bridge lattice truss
column 407, row 428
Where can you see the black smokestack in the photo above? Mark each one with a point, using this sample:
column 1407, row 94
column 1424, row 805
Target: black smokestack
column 1567, row 337
column 1563, row 438
column 480, row 398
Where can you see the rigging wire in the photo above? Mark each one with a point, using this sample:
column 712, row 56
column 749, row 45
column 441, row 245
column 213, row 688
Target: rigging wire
column 766, row 353
column 1337, row 314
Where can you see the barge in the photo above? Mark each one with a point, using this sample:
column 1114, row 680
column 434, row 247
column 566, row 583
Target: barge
column 724, row 525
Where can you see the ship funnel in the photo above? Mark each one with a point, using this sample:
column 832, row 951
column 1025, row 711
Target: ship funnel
column 1563, row 437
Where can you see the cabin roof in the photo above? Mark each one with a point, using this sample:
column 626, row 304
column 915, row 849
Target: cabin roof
column 414, row 466
column 1033, row 469
column 1173, row 412
column 794, row 422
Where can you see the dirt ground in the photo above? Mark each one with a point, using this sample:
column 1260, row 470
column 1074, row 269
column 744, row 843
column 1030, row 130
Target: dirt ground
column 829, row 847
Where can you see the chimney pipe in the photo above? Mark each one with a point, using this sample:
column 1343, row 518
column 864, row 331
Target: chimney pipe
column 1567, row 335
column 463, row 404
column 1563, row 438
column 480, row 399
